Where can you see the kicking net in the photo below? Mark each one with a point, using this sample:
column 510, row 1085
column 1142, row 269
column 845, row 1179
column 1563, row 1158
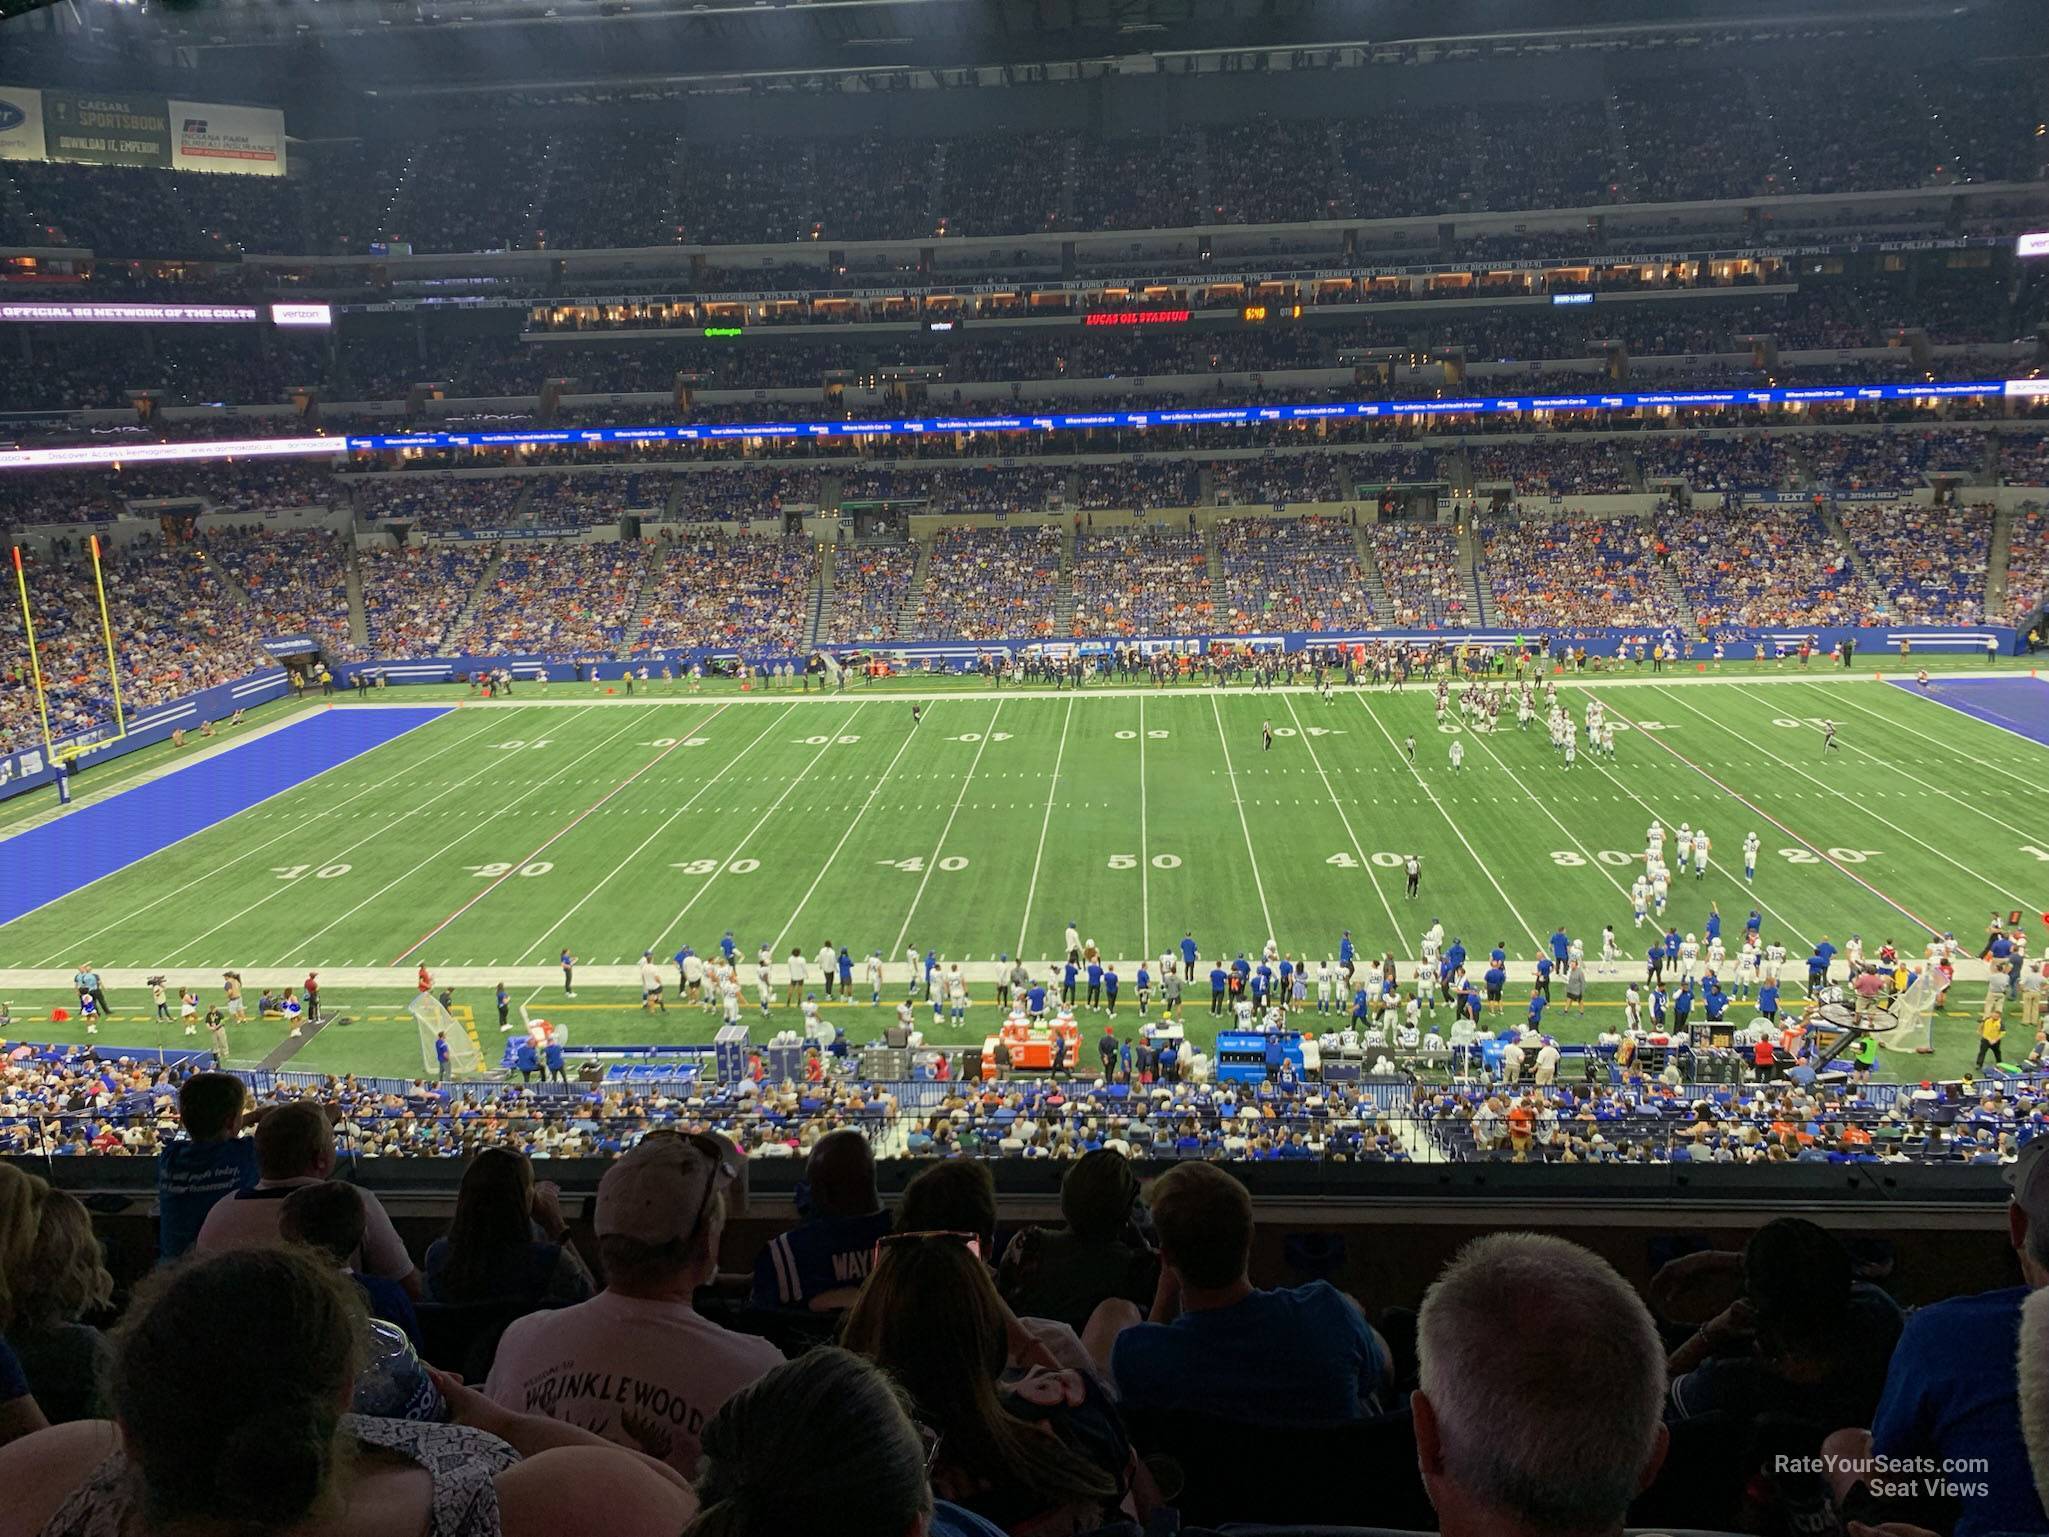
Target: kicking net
column 433, row 1019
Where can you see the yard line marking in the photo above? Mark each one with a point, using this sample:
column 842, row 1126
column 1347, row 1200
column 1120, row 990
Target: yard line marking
column 776, row 945
column 1145, row 894
column 1900, row 725
column 1052, row 788
column 1744, row 800
column 1884, row 821
column 703, row 789
column 933, row 863
column 662, row 941
column 453, row 842
column 256, row 849
column 1243, row 826
column 1457, row 832
column 1967, row 805
column 1358, row 848
column 570, row 826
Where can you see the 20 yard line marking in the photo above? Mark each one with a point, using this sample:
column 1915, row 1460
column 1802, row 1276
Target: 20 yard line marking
column 933, row 863
column 703, row 789
column 1243, row 826
column 1456, row 832
column 1052, row 788
column 1359, row 849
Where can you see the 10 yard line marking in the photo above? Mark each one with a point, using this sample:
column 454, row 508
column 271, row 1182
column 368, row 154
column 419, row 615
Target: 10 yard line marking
column 662, row 942
column 1394, row 924
column 1053, row 788
column 1453, row 825
column 226, row 864
column 919, row 895
column 776, row 945
column 696, row 795
column 1243, row 826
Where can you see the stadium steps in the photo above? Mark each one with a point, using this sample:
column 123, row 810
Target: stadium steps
column 1996, row 561
column 914, row 595
column 644, row 600
column 485, row 578
column 1618, row 147
column 935, row 187
column 1832, row 520
column 1675, row 595
column 1477, row 585
column 229, row 582
column 1213, row 563
column 1063, row 591
column 1070, row 178
column 352, row 584
column 1369, row 574
column 821, row 594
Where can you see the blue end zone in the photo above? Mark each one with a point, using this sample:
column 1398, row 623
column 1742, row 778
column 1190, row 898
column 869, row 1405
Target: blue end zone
column 59, row 857
column 2021, row 705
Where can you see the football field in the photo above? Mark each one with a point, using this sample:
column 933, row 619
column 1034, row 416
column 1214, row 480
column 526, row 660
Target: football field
column 487, row 840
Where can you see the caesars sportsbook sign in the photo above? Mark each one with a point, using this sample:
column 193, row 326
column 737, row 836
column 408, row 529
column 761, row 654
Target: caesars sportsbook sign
column 106, row 128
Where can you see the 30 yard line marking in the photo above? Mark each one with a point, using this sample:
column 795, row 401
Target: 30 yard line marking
column 2033, row 785
column 661, row 943
column 938, row 848
column 1830, row 789
column 1358, row 849
column 249, row 853
column 1024, row 929
column 1243, row 826
column 1456, row 831
column 776, row 945
column 663, row 826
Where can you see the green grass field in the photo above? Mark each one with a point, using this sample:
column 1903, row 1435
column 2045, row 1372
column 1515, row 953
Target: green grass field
column 485, row 843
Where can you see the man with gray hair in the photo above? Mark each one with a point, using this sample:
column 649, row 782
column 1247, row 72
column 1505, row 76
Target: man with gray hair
column 1543, row 1389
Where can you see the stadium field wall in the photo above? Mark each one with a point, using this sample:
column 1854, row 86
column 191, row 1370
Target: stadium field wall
column 56, row 858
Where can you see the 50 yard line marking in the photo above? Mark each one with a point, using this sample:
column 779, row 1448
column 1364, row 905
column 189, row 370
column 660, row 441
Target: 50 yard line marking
column 1024, row 929
column 1145, row 892
column 1456, row 831
column 1243, row 826
column 933, row 863
column 696, row 795
column 1359, row 849
column 797, row 779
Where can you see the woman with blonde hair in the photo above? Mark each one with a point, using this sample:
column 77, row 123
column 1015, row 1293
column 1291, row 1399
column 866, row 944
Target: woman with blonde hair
column 51, row 1276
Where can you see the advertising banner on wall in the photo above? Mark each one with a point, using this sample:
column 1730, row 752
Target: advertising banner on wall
column 107, row 129
column 21, row 123
column 249, row 141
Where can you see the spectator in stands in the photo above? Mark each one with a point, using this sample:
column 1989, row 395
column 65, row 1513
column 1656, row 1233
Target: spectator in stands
column 20, row 1414
column 1804, row 1338
column 329, row 1218
column 1047, row 1453
column 1215, row 1344
column 507, row 1240
column 294, row 1147
column 820, row 1262
column 228, row 1388
column 51, row 1275
column 2032, row 1370
column 1550, row 1425
column 1066, row 1273
column 660, row 1212
column 822, row 1443
column 1953, row 1389
column 213, row 1160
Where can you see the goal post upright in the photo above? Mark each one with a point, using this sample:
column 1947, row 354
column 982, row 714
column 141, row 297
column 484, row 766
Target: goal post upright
column 35, row 658
column 99, row 582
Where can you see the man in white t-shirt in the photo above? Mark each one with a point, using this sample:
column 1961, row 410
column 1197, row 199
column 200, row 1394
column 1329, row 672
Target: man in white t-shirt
column 294, row 1147
column 637, row 1363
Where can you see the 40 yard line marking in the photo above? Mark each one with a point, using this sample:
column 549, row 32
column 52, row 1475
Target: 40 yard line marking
column 1456, row 831
column 662, row 942
column 1024, row 929
column 933, row 863
column 662, row 827
column 1243, row 826
column 249, row 853
column 1302, row 735
column 776, row 945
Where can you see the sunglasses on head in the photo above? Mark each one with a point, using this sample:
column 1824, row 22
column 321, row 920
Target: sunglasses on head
column 972, row 1242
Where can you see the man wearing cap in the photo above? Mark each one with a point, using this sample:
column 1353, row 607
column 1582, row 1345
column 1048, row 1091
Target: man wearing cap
column 1952, row 1392
column 637, row 1363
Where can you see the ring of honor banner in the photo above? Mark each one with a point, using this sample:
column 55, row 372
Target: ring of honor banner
column 135, row 130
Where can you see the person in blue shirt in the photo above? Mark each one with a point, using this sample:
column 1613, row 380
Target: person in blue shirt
column 1243, row 967
column 1818, row 964
column 1346, row 954
column 1496, row 979
column 1538, row 1003
column 1499, row 954
column 1219, row 980
column 1188, row 954
column 1714, row 922
column 682, row 982
column 1671, row 946
column 1561, row 945
column 1095, row 997
column 504, row 1001
column 1682, row 1005
column 1768, row 1001
column 1658, row 1007
column 1217, row 1345
column 1143, row 984
column 524, row 1060
column 1654, row 962
column 553, row 1057
column 1362, row 1009
column 441, row 1054
column 846, row 972
column 1035, row 999
column 728, row 946
column 214, row 1160
column 1753, row 923
column 1544, row 976
column 1714, row 999
column 1069, row 971
column 1110, row 987
column 828, row 1254
column 1259, row 988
